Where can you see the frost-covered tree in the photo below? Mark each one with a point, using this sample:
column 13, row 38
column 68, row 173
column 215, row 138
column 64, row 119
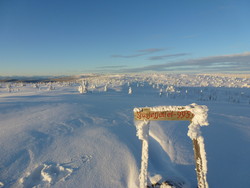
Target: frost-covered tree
column 22, row 84
column 161, row 92
column 157, row 86
column 130, row 90
column 106, row 88
column 9, row 88
column 170, row 89
column 36, row 86
column 83, row 88
column 50, row 88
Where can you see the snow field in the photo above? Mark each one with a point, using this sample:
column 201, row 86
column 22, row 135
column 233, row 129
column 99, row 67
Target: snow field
column 57, row 137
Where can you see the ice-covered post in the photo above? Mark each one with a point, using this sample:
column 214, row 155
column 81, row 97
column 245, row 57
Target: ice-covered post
column 200, row 119
column 194, row 113
column 143, row 133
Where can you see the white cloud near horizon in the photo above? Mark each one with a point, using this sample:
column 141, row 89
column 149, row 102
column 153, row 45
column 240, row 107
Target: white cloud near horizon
column 141, row 53
column 167, row 56
column 112, row 67
column 232, row 62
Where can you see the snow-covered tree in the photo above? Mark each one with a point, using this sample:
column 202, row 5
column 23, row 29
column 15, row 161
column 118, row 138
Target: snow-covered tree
column 130, row 90
column 9, row 87
column 161, row 92
column 106, row 88
column 50, row 88
column 36, row 86
column 83, row 88
column 170, row 89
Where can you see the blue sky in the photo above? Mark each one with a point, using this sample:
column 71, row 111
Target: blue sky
column 59, row 37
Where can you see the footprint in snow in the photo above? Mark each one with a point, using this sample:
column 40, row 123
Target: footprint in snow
column 77, row 162
column 45, row 175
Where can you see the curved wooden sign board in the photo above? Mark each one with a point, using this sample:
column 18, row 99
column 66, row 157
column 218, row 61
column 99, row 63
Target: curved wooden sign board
column 146, row 114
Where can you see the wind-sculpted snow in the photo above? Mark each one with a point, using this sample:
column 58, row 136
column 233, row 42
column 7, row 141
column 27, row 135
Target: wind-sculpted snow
column 53, row 136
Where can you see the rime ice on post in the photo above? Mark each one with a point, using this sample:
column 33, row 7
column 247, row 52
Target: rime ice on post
column 194, row 113
column 200, row 119
column 143, row 134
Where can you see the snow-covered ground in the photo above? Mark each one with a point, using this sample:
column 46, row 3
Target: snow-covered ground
column 53, row 136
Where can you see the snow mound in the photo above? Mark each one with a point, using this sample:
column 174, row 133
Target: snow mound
column 45, row 175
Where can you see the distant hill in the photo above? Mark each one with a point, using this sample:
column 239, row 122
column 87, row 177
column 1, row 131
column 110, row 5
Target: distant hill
column 32, row 79
column 35, row 79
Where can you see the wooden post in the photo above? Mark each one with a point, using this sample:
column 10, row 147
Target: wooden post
column 144, row 165
column 199, row 165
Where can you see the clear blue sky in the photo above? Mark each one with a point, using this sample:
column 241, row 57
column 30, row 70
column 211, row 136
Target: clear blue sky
column 59, row 37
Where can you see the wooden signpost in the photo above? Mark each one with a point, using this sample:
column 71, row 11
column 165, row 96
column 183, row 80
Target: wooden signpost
column 178, row 113
column 146, row 114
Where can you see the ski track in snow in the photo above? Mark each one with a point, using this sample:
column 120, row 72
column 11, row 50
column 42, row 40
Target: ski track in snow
column 60, row 138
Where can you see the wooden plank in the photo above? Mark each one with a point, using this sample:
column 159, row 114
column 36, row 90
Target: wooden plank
column 199, row 165
column 147, row 114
